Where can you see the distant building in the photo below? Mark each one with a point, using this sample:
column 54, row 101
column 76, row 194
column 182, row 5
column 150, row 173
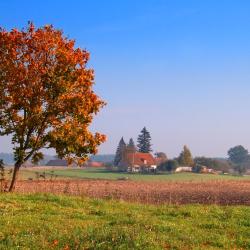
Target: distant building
column 93, row 164
column 133, row 161
column 57, row 163
column 183, row 169
column 64, row 163
column 28, row 164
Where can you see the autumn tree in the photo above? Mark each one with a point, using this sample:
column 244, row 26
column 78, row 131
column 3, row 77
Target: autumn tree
column 185, row 158
column 144, row 141
column 46, row 96
column 119, row 150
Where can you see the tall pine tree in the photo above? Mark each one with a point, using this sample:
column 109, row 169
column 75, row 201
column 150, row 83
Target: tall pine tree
column 144, row 141
column 118, row 155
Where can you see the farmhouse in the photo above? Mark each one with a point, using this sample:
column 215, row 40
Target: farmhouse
column 57, row 163
column 133, row 161
column 183, row 169
column 64, row 163
column 93, row 164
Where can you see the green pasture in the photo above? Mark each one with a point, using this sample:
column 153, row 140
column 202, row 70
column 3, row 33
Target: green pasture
column 99, row 173
column 61, row 222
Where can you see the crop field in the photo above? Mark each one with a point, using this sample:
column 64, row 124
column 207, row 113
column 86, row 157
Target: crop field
column 45, row 221
column 179, row 211
column 100, row 173
column 226, row 192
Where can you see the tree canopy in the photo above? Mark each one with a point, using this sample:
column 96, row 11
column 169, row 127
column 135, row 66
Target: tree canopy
column 169, row 165
column 161, row 155
column 185, row 158
column 238, row 154
column 46, row 95
column 239, row 158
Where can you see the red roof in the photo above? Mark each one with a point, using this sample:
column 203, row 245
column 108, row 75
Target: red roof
column 140, row 159
column 95, row 164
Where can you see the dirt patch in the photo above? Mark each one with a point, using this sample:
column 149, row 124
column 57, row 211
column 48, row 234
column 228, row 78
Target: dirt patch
column 210, row 192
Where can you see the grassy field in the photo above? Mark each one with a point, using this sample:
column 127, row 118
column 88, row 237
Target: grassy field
column 60, row 222
column 97, row 173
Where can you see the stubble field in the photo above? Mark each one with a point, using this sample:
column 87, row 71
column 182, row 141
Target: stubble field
column 226, row 192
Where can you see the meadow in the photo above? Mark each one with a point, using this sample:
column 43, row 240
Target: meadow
column 45, row 221
column 101, row 173
column 99, row 209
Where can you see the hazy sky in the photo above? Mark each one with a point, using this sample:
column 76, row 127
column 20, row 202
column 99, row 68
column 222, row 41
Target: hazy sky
column 180, row 68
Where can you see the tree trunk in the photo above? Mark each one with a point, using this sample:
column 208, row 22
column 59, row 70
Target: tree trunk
column 14, row 176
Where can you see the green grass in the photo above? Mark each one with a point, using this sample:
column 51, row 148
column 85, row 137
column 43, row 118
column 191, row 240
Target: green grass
column 98, row 173
column 60, row 222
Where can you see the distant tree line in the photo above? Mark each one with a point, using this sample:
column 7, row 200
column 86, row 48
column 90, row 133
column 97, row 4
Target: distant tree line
column 238, row 160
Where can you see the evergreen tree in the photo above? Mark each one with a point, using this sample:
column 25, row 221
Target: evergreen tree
column 131, row 144
column 185, row 158
column 144, row 141
column 118, row 155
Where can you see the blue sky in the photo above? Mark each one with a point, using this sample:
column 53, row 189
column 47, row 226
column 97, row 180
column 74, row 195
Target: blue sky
column 180, row 68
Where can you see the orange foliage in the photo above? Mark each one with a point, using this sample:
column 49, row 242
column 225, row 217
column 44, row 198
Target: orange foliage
column 46, row 95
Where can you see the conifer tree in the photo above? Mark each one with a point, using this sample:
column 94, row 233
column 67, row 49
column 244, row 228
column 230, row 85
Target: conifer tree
column 185, row 158
column 144, row 141
column 118, row 155
column 131, row 144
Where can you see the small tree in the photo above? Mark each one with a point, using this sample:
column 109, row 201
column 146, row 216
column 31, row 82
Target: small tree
column 169, row 166
column 197, row 168
column 162, row 156
column 238, row 157
column 144, row 141
column 46, row 96
column 185, row 158
column 119, row 152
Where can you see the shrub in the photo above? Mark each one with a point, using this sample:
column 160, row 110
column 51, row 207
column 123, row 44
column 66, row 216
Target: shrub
column 169, row 166
column 197, row 168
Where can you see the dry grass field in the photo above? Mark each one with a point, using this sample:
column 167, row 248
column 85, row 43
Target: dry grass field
column 221, row 192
